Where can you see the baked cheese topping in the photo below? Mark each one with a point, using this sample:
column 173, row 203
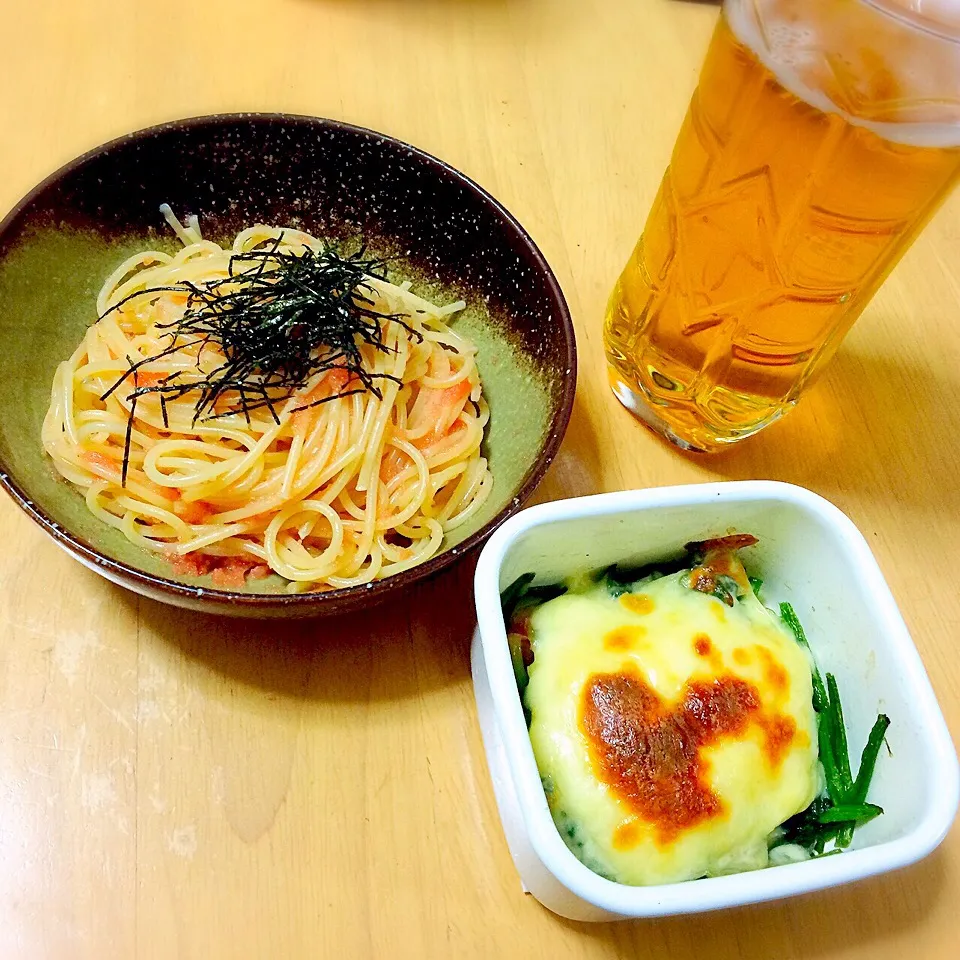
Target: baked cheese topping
column 673, row 732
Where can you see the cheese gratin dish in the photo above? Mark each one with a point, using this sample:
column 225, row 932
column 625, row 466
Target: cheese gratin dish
column 673, row 719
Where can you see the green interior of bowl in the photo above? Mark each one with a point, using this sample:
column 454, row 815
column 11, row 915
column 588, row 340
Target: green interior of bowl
column 49, row 280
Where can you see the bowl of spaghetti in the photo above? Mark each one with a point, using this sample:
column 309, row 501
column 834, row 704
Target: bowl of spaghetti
column 268, row 365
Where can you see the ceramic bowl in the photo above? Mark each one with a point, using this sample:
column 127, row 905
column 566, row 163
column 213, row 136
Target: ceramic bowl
column 810, row 554
column 447, row 234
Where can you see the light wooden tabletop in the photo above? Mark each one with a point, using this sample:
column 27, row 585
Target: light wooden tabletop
column 180, row 786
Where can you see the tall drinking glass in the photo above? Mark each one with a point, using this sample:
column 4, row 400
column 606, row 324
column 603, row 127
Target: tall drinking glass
column 821, row 138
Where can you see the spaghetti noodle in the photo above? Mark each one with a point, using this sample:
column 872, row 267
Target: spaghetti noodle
column 355, row 474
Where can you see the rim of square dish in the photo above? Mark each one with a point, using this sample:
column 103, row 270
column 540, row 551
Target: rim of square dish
column 736, row 889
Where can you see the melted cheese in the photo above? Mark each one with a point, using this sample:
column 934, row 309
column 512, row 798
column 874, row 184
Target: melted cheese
column 654, row 654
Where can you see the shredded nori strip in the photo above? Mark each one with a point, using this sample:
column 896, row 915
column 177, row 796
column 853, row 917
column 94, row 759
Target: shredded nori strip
column 280, row 319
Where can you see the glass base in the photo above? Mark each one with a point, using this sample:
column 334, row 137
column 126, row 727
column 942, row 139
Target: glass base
column 695, row 436
column 638, row 405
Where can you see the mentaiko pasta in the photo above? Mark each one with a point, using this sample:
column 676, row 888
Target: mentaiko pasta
column 356, row 474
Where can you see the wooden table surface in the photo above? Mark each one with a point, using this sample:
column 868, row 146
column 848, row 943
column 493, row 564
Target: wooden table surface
column 181, row 786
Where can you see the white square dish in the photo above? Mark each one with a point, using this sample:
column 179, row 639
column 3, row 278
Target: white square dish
column 808, row 553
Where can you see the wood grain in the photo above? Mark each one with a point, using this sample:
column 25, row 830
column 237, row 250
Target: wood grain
column 180, row 786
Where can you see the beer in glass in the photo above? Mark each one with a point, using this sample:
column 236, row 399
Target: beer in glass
column 822, row 136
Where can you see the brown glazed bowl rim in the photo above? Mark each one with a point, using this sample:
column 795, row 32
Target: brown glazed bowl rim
column 343, row 597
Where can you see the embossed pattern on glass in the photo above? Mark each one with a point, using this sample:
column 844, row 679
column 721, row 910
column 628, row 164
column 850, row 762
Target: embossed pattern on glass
column 822, row 136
